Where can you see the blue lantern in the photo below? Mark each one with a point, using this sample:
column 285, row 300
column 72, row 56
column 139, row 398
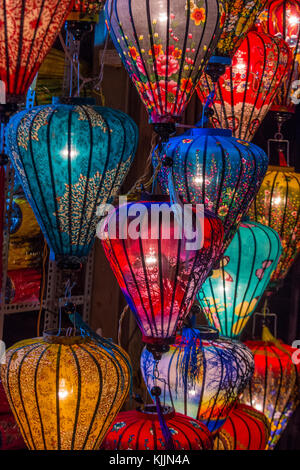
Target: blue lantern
column 70, row 156
column 231, row 293
column 210, row 167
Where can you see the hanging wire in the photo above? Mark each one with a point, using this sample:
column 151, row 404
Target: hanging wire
column 122, row 316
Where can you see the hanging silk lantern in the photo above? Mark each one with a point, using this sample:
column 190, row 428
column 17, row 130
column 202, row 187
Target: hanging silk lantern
column 274, row 387
column 65, row 390
column 230, row 295
column 158, row 272
column 164, row 47
column 277, row 205
column 244, row 94
column 140, row 430
column 211, row 167
column 281, row 18
column 70, row 158
column 245, row 429
column 201, row 375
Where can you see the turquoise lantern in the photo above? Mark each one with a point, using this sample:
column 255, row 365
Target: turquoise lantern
column 70, row 157
column 231, row 293
column 210, row 167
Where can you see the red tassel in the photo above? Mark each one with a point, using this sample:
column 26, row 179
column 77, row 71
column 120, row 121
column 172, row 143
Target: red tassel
column 282, row 159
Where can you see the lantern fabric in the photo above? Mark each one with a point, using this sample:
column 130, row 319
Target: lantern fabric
column 231, row 293
column 23, row 285
column 274, row 387
column 88, row 6
column 10, row 436
column 65, row 178
column 65, row 390
column 164, row 46
column 245, row 92
column 28, row 30
column 140, row 430
column 201, row 375
column 157, row 272
column 281, row 18
column 245, row 429
column 277, row 205
column 211, row 167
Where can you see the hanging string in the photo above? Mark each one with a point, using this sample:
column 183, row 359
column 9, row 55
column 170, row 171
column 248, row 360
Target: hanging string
column 209, row 102
column 45, row 256
column 124, row 311
column 156, row 392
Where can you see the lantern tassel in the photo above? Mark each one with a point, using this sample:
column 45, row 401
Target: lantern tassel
column 174, row 198
column 163, row 425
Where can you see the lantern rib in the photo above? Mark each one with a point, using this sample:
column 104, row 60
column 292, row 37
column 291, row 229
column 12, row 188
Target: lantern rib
column 57, row 398
column 78, row 397
column 174, row 284
column 70, row 178
column 36, row 395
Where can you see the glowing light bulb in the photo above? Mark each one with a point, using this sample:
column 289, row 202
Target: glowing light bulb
column 293, row 20
column 65, row 152
column 151, row 259
column 163, row 17
column 277, row 200
column 198, row 179
column 63, row 390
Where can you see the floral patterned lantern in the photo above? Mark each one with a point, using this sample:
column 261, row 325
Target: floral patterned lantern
column 277, row 205
column 211, row 167
column 140, row 430
column 157, row 271
column 245, row 429
column 230, row 295
column 70, row 158
column 244, row 94
column 201, row 375
column 65, row 390
column 164, row 46
column 274, row 388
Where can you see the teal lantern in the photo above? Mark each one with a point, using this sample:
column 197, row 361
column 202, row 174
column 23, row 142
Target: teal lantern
column 231, row 293
column 70, row 156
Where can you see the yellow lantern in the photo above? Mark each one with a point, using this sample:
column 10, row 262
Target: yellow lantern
column 65, row 391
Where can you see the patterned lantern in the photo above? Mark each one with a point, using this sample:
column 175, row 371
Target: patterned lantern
column 277, row 205
column 212, row 168
column 28, row 30
column 65, row 390
column 281, row 18
column 230, row 295
column 140, row 430
column 247, row 89
column 156, row 270
column 274, row 388
column 201, row 375
column 245, row 429
column 70, row 158
column 164, row 46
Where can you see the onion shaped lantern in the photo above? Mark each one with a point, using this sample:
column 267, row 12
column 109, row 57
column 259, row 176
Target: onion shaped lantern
column 230, row 295
column 245, row 92
column 70, row 158
column 245, row 429
column 277, row 205
column 164, row 46
column 65, row 391
column 274, row 387
column 211, row 167
column 158, row 271
column 201, row 375
column 140, row 430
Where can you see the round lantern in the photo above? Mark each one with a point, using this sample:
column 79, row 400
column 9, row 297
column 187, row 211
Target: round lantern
column 274, row 387
column 230, row 295
column 140, row 430
column 211, row 167
column 157, row 270
column 201, row 375
column 244, row 94
column 70, row 158
column 164, row 47
column 245, row 429
column 65, row 390
column 277, row 205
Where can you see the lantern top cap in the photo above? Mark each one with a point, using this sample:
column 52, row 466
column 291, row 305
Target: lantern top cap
column 149, row 412
column 66, row 336
column 77, row 101
column 199, row 131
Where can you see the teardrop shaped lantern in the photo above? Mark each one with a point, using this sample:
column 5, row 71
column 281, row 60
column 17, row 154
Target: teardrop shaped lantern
column 201, row 375
column 140, row 430
column 245, row 429
column 230, row 295
column 70, row 158
column 274, row 387
column 158, row 271
column 65, row 391
column 164, row 46
column 211, row 167
column 277, row 205
column 244, row 94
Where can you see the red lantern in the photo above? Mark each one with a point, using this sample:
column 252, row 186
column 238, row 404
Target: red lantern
column 140, row 430
column 246, row 91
